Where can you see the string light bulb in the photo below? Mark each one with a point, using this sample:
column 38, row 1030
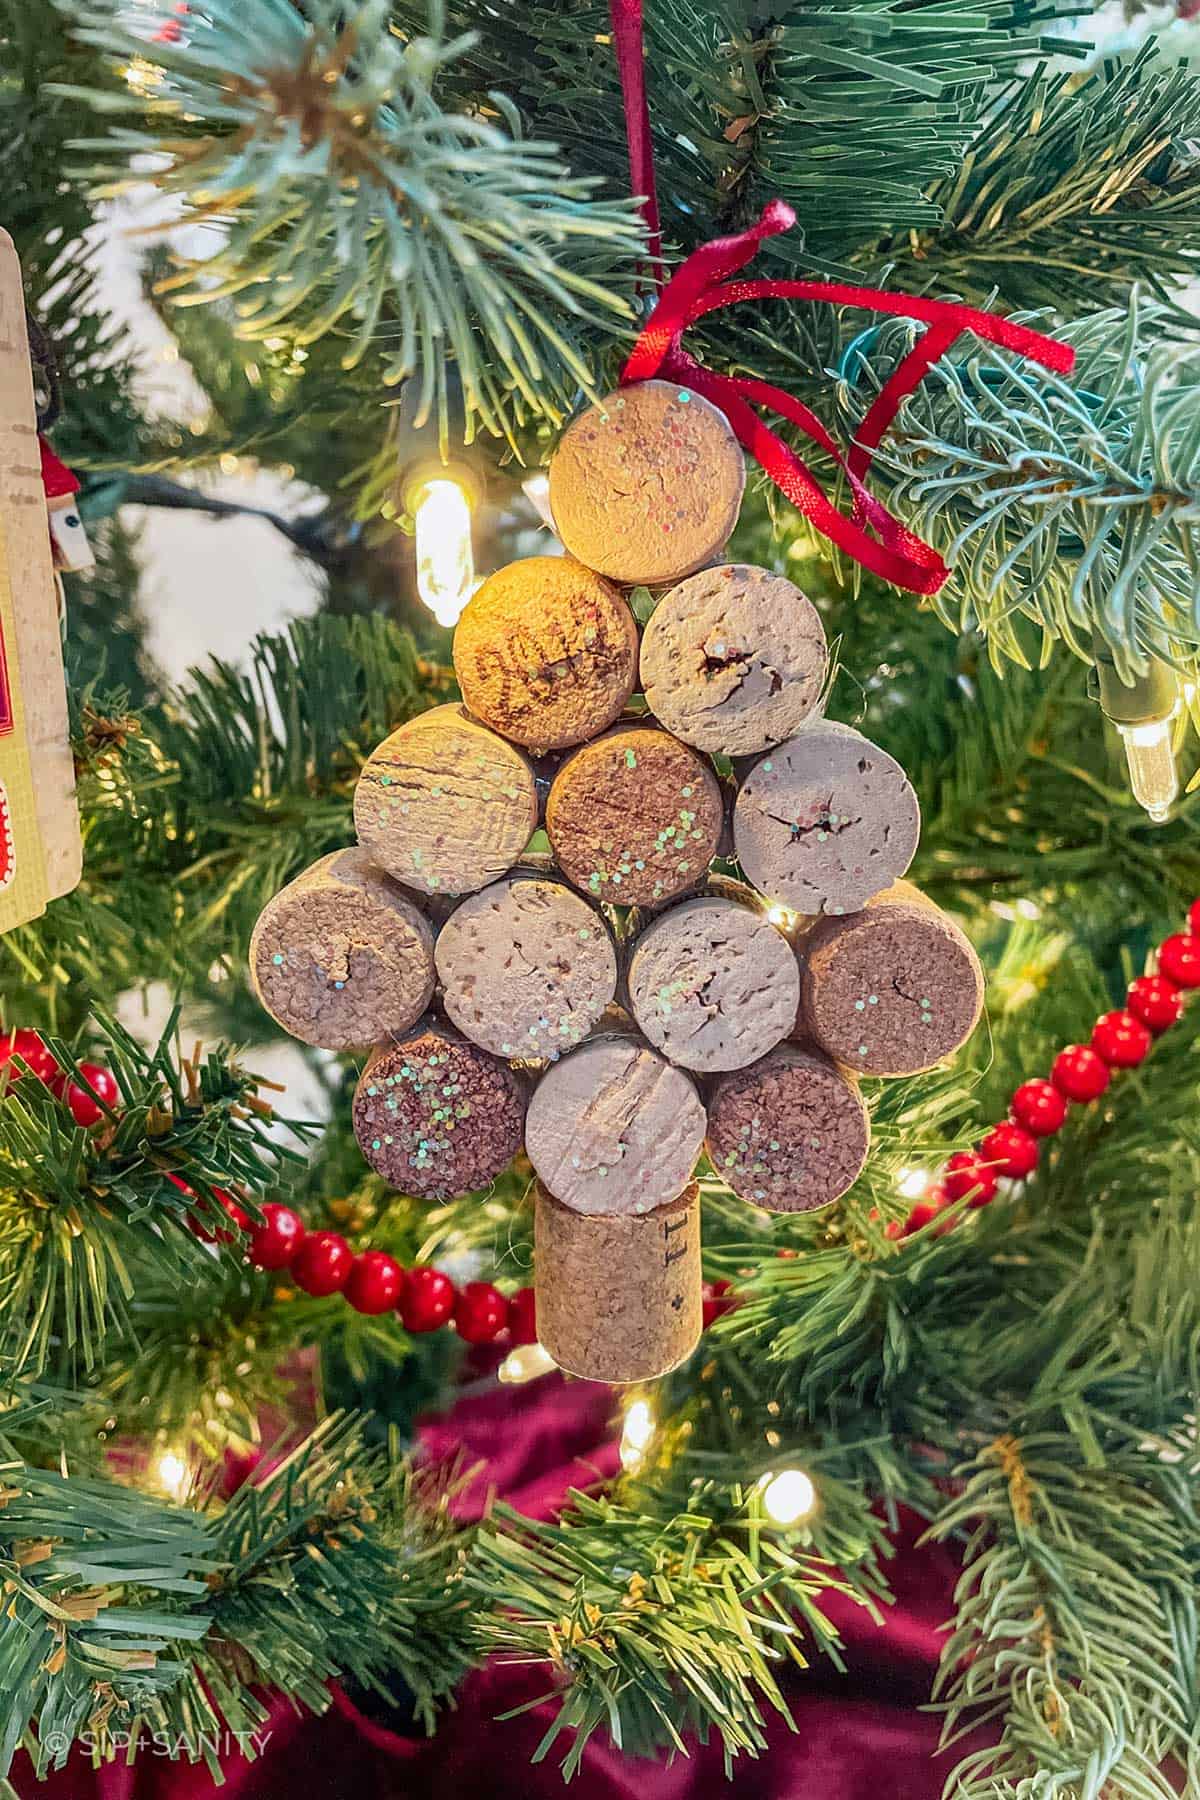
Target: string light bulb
column 1143, row 711
column 637, row 1434
column 441, row 498
column 525, row 1363
column 788, row 1497
column 172, row 1474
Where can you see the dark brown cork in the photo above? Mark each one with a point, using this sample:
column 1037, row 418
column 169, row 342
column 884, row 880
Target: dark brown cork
column 613, row 1128
column 618, row 1299
column 445, row 805
column 825, row 821
column 789, row 1133
column 646, row 486
column 635, row 817
column 891, row 990
column 341, row 957
column 527, row 967
column 546, row 652
column 713, row 984
column 733, row 659
column 437, row 1116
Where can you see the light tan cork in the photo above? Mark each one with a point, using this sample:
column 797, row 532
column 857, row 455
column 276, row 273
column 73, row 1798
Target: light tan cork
column 618, row 1298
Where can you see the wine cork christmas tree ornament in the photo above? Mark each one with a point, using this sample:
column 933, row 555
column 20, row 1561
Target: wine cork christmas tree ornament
column 614, row 1128
column 437, row 1116
column 341, row 957
column 893, row 989
column 646, row 486
column 445, row 805
column 619, row 1297
column 635, row 817
column 546, row 652
column 527, row 967
column 825, row 821
column 733, row 660
column 789, row 1133
column 713, row 984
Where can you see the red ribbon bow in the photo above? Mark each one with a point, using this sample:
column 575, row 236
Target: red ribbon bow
column 870, row 534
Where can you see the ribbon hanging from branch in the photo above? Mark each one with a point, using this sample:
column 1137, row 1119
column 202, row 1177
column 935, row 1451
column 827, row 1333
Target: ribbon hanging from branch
column 869, row 532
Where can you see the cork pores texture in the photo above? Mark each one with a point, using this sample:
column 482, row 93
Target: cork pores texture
column 444, row 804
column 436, row 1116
column 341, row 958
column 826, row 821
column 613, row 1128
column 546, row 652
column 891, row 990
column 526, row 967
column 646, row 486
column 790, row 1133
column 635, row 817
column 734, row 659
column 713, row 985
column 618, row 1299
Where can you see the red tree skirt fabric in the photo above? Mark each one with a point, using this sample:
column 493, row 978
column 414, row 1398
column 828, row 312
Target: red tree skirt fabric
column 857, row 1735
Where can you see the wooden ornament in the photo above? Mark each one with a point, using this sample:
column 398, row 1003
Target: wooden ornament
column 646, row 486
column 618, row 1298
column 41, row 852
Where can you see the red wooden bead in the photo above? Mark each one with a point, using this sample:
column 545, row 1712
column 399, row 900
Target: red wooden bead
column 274, row 1243
column 1121, row 1040
column 1156, row 1001
column 1039, row 1107
column 1179, row 959
column 925, row 1211
column 480, row 1312
column 33, row 1053
column 375, row 1283
column 1194, row 918
column 428, row 1299
column 323, row 1263
column 522, row 1317
column 84, row 1106
column 197, row 1221
column 715, row 1301
column 1011, row 1150
column 1079, row 1074
column 967, row 1172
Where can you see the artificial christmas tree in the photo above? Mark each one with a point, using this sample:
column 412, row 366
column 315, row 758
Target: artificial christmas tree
column 994, row 1325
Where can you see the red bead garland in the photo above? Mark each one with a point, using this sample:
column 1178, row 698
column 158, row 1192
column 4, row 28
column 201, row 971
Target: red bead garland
column 1120, row 1040
column 32, row 1052
column 522, row 1317
column 322, row 1265
column 274, row 1243
column 428, row 1300
column 480, row 1312
column 84, row 1102
column 376, row 1282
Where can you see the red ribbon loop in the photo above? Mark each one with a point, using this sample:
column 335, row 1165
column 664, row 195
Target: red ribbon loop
column 869, row 533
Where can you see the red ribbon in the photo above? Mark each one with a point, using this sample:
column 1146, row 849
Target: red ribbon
column 870, row 534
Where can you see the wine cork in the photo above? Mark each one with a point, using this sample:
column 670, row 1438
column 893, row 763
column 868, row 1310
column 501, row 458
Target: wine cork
column 733, row 659
column 546, row 652
column 890, row 990
column 635, row 818
column 341, row 957
column 618, row 1299
column 436, row 1116
column 526, row 966
column 713, row 984
column 445, row 805
column 789, row 1133
column 647, row 485
column 613, row 1128
column 826, row 821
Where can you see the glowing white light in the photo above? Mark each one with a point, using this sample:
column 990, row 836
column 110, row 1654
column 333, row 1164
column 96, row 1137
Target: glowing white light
column 445, row 559
column 782, row 916
column 911, row 1183
column 788, row 1497
column 536, row 489
column 637, row 1434
column 172, row 1474
column 1150, row 759
column 526, row 1363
